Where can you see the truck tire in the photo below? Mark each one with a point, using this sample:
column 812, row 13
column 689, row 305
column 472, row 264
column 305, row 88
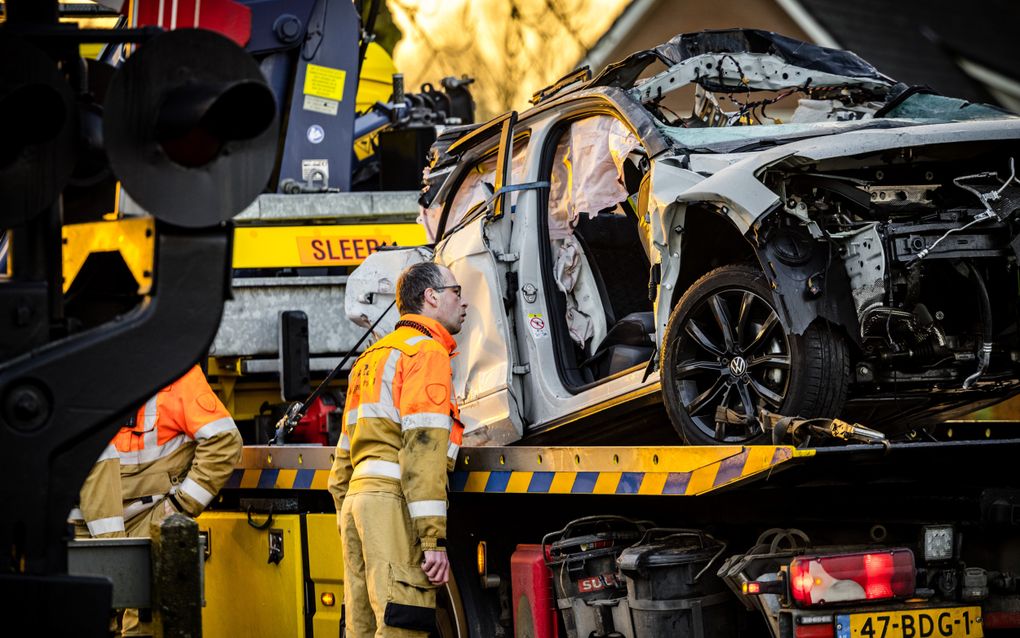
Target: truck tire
column 727, row 344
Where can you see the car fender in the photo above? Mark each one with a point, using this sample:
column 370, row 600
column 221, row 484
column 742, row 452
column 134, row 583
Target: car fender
column 805, row 291
column 737, row 190
column 667, row 177
column 734, row 190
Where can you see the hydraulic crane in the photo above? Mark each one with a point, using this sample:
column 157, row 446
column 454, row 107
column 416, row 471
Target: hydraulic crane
column 172, row 122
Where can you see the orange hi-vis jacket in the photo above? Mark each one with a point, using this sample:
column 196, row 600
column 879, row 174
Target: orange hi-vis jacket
column 182, row 445
column 402, row 429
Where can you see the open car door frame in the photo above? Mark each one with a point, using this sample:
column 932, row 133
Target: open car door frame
column 478, row 254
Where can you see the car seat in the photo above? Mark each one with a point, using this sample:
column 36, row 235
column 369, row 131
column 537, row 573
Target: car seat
column 627, row 344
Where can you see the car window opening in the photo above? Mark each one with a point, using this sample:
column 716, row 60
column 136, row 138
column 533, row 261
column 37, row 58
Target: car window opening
column 476, row 187
column 598, row 263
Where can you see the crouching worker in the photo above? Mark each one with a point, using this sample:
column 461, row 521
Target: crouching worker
column 401, row 435
column 173, row 455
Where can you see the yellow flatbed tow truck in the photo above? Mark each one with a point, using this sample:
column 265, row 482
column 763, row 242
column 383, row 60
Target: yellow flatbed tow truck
column 765, row 517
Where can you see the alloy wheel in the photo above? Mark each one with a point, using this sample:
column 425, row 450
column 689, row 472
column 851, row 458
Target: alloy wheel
column 732, row 352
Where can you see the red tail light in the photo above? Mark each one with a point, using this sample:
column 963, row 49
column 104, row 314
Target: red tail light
column 814, row 631
column 598, row 544
column 878, row 572
column 817, row 580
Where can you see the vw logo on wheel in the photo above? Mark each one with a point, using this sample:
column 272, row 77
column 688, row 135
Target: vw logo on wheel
column 738, row 366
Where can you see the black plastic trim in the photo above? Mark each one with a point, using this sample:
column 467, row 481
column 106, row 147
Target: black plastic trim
column 409, row 617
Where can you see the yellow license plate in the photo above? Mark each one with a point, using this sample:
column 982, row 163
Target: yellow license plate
column 955, row 622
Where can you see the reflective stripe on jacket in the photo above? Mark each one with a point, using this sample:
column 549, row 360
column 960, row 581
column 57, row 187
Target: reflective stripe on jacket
column 401, row 431
column 102, row 511
column 183, row 443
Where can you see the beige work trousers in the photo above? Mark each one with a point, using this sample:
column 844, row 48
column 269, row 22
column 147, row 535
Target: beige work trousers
column 140, row 526
column 386, row 593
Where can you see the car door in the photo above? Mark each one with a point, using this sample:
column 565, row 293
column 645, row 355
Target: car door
column 477, row 251
column 587, row 266
column 475, row 235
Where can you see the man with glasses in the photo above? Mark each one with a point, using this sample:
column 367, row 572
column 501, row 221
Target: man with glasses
column 401, row 435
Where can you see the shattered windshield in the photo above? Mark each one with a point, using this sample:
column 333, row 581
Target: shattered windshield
column 739, row 138
column 753, row 86
column 929, row 106
column 917, row 109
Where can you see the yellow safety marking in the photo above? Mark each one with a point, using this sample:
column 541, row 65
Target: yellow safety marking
column 702, row 480
column 519, row 481
column 133, row 238
column 285, row 479
column 476, row 482
column 321, row 480
column 323, row 81
column 250, row 478
column 606, row 483
column 327, row 245
column 759, row 459
column 653, row 483
column 90, row 51
column 689, row 459
column 562, row 482
column 711, row 470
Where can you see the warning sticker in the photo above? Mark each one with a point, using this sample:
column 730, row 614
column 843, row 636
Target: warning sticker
column 537, row 326
column 325, row 82
column 315, row 170
column 321, row 105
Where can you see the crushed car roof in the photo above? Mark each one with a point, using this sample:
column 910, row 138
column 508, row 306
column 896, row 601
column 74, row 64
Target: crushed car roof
column 735, row 61
column 687, row 46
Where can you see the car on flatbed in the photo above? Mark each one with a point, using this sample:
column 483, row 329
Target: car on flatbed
column 855, row 257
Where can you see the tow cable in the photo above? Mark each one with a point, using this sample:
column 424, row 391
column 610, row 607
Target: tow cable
column 296, row 411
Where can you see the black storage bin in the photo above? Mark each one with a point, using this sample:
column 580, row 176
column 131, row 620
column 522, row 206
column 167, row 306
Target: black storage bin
column 588, row 587
column 672, row 589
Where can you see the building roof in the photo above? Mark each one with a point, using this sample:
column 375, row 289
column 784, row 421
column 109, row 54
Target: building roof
column 937, row 43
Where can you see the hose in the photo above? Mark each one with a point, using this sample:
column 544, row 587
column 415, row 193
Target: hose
column 985, row 353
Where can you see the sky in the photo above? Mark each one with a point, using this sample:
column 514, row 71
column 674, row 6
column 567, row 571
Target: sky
column 512, row 48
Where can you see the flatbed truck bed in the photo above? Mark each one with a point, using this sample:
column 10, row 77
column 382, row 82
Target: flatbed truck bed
column 503, row 499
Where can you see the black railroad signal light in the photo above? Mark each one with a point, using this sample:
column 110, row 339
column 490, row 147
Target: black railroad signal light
column 190, row 127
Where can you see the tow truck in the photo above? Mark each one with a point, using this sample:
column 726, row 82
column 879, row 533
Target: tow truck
column 909, row 539
column 939, row 516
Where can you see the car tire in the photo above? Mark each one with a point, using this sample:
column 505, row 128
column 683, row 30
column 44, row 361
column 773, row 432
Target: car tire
column 757, row 364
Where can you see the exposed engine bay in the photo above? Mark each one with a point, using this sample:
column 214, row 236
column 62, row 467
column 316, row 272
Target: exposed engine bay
column 929, row 249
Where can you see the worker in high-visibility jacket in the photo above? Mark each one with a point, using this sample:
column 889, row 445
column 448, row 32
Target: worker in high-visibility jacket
column 173, row 455
column 400, row 436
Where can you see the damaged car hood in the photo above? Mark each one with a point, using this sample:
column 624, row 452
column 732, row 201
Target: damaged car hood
column 732, row 179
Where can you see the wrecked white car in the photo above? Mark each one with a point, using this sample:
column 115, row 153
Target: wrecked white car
column 855, row 259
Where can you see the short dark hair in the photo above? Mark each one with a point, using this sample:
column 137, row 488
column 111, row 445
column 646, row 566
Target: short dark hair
column 412, row 284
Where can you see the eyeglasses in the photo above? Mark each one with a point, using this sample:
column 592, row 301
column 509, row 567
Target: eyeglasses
column 455, row 289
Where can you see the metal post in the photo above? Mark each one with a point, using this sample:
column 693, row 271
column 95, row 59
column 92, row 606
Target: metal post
column 176, row 571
